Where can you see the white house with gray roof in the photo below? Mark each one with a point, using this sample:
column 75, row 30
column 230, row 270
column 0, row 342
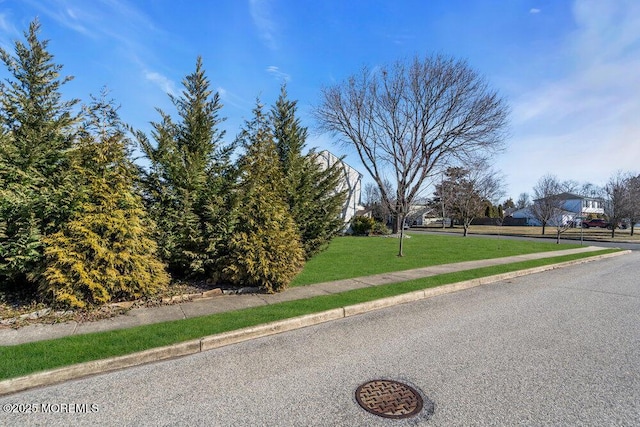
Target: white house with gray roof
column 571, row 208
column 351, row 182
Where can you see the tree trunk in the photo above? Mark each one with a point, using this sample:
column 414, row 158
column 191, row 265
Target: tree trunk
column 466, row 230
column 632, row 226
column 394, row 225
column 558, row 237
column 401, row 221
column 544, row 224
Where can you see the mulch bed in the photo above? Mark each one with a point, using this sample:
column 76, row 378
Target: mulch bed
column 18, row 310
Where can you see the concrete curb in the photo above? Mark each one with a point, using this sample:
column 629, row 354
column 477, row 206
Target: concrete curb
column 233, row 337
column 66, row 373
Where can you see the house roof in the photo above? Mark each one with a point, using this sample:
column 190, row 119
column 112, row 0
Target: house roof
column 332, row 158
column 569, row 196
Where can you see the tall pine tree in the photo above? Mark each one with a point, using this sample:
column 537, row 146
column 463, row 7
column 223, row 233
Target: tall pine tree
column 105, row 251
column 310, row 188
column 265, row 248
column 38, row 128
column 187, row 185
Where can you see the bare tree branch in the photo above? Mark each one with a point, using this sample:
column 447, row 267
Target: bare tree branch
column 413, row 118
column 546, row 203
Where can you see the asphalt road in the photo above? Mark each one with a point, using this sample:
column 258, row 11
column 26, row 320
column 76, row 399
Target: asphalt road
column 555, row 348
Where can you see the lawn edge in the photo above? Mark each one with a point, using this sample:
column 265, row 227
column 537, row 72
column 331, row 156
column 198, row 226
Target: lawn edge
column 76, row 371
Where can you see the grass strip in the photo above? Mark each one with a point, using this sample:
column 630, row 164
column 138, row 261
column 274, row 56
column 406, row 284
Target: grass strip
column 38, row 356
column 348, row 257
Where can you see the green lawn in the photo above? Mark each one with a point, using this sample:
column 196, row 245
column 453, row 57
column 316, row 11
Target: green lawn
column 28, row 358
column 349, row 257
column 595, row 234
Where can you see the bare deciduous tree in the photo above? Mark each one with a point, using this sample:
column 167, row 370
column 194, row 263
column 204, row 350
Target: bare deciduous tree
column 548, row 207
column 370, row 194
column 523, row 201
column 412, row 118
column 546, row 203
column 561, row 220
column 590, row 190
column 617, row 205
column 633, row 188
column 466, row 191
column 570, row 186
column 373, row 200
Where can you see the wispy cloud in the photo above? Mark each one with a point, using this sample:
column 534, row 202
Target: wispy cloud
column 70, row 16
column 603, row 81
column 595, row 103
column 7, row 27
column 8, row 31
column 275, row 72
column 134, row 37
column 534, row 11
column 262, row 17
column 96, row 19
column 230, row 98
column 164, row 83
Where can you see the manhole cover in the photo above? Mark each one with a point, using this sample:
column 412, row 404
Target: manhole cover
column 389, row 399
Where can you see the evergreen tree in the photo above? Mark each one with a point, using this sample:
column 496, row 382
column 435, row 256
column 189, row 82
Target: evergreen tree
column 310, row 189
column 265, row 249
column 105, row 251
column 38, row 132
column 187, row 185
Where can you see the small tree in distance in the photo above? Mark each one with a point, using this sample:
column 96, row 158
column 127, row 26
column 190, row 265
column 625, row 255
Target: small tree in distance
column 633, row 188
column 410, row 119
column 562, row 224
column 466, row 191
column 523, row 201
column 618, row 203
column 509, row 204
column 546, row 204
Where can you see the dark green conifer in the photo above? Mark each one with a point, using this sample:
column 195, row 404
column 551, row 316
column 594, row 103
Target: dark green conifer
column 187, row 184
column 310, row 188
column 265, row 248
column 38, row 132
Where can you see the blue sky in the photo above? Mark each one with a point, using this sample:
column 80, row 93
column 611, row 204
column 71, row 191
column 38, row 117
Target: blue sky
column 570, row 70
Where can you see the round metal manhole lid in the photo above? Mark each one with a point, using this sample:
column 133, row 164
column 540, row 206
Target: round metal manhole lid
column 389, row 399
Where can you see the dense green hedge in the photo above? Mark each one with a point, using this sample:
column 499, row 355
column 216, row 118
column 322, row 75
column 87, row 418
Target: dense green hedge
column 81, row 224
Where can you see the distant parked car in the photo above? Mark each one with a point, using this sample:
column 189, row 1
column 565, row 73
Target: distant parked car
column 596, row 222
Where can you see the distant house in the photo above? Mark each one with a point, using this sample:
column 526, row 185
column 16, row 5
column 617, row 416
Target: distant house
column 419, row 215
column 580, row 205
column 570, row 209
column 351, row 183
column 526, row 217
column 365, row 212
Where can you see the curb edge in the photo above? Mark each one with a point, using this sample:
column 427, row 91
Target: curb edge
column 66, row 373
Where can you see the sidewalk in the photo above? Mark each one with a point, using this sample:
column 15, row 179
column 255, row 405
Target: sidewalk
column 224, row 303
